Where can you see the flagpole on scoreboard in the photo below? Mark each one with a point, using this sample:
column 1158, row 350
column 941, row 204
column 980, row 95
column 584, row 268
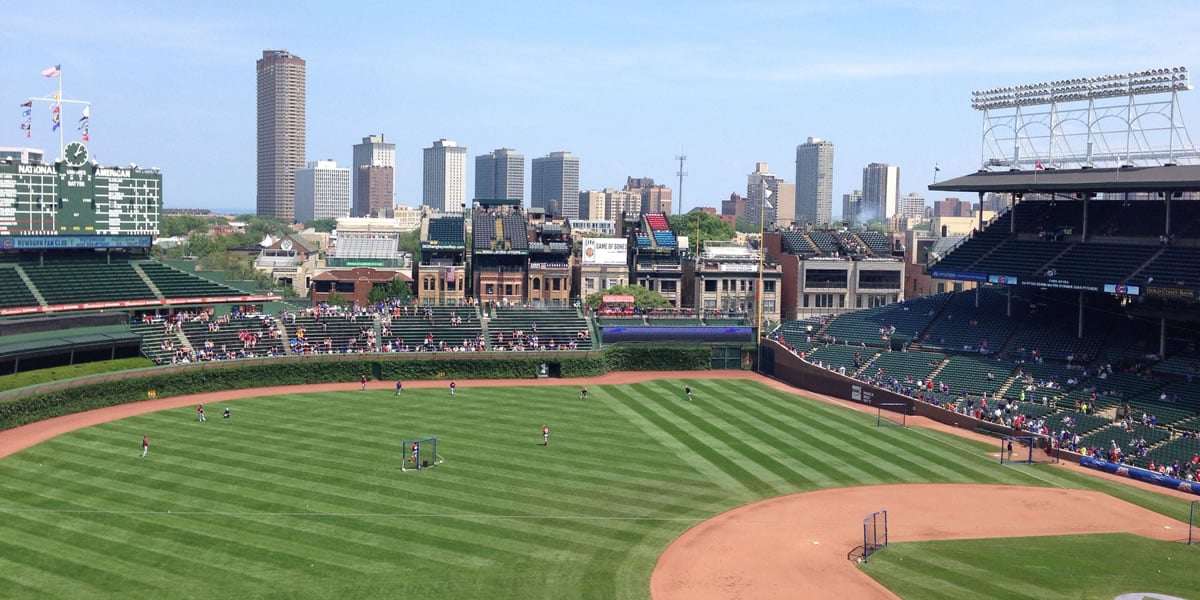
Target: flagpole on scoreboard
column 62, row 148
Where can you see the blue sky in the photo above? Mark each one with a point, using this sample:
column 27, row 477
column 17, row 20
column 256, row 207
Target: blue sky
column 626, row 86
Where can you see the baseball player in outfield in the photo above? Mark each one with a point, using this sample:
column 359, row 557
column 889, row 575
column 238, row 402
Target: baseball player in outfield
column 145, row 445
column 545, row 435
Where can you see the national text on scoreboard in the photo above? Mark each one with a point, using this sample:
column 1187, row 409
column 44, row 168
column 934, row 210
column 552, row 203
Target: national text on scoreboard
column 105, row 206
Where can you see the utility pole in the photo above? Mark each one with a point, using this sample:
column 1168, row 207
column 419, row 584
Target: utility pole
column 681, row 173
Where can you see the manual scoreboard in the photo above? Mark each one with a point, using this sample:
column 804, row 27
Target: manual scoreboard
column 75, row 203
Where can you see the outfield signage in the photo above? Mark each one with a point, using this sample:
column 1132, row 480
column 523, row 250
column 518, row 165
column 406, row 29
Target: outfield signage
column 605, row 251
column 1146, row 475
column 958, row 275
column 1170, row 293
column 1003, row 279
column 1062, row 284
column 29, row 310
column 859, row 394
column 41, row 242
column 1122, row 289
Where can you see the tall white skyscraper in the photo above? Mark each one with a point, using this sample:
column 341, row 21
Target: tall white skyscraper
column 555, row 185
column 500, row 175
column 322, row 191
column 373, row 177
column 881, row 190
column 911, row 205
column 814, row 182
column 445, row 183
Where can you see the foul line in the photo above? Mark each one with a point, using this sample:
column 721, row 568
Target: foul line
column 929, row 433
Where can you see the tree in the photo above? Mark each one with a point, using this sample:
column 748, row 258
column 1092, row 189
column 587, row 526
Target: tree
column 410, row 241
column 642, row 297
column 182, row 225
column 322, row 225
column 710, row 227
column 396, row 288
column 745, row 226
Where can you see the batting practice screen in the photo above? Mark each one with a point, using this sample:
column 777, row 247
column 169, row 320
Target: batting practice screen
column 86, row 206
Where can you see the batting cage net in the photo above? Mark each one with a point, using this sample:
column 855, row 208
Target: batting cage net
column 891, row 414
column 875, row 533
column 420, row 454
column 1023, row 450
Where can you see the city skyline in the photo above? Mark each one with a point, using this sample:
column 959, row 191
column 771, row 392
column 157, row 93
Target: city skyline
column 172, row 87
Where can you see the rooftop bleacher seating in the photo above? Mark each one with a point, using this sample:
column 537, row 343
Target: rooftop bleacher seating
column 658, row 222
column 876, row 242
column 367, row 247
column 824, row 241
column 797, row 243
column 448, row 231
column 516, row 234
column 643, row 241
column 665, row 239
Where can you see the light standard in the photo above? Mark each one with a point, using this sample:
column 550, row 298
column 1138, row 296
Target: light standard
column 762, row 249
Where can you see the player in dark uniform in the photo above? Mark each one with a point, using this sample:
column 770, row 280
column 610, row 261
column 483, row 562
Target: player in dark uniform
column 545, row 435
column 399, row 386
column 688, row 390
column 583, row 394
column 416, row 452
column 453, row 386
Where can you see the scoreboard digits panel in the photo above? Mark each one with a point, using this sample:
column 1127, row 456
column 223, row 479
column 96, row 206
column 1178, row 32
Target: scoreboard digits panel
column 61, row 200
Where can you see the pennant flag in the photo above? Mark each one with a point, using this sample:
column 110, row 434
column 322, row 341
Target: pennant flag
column 54, row 71
column 28, row 104
column 57, row 96
column 85, row 135
column 87, row 112
column 55, row 128
column 82, row 126
column 936, row 167
column 25, row 126
column 54, row 117
column 1039, row 166
column 28, row 133
column 57, row 109
column 27, row 112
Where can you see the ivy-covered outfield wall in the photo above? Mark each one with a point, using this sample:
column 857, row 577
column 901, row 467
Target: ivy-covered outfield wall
column 27, row 405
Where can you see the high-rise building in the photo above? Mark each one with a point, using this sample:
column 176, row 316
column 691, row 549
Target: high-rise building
column 500, row 175
column 655, row 198
column 851, row 206
column 762, row 190
column 881, row 189
column 911, row 206
column 609, row 204
column 554, row 186
column 444, row 187
column 814, row 182
column 952, row 207
column 281, row 122
column 734, row 207
column 785, row 203
column 322, row 191
column 374, row 177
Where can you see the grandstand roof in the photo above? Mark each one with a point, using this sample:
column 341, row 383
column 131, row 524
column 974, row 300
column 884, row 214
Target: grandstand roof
column 1176, row 178
column 498, row 201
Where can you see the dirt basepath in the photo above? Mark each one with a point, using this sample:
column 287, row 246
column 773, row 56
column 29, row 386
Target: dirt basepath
column 779, row 547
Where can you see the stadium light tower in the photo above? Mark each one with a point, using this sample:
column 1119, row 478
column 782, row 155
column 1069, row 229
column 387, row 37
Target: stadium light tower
column 681, row 173
column 1040, row 123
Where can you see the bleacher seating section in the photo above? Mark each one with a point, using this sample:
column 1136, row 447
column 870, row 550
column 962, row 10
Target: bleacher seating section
column 13, row 291
column 413, row 329
column 658, row 222
column 69, row 280
column 558, row 325
column 835, row 356
column 174, row 283
column 824, row 241
column 966, row 327
column 366, row 247
column 900, row 365
column 340, row 330
column 970, row 374
column 876, row 241
column 909, row 318
column 796, row 242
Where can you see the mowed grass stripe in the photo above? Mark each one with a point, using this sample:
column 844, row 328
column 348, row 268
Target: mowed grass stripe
column 751, row 477
column 858, row 439
column 751, row 443
column 701, row 463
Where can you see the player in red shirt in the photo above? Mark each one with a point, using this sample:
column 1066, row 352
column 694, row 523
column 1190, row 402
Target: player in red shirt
column 452, row 387
column 145, row 445
column 416, row 451
column 364, row 382
column 583, row 394
column 200, row 412
column 545, row 435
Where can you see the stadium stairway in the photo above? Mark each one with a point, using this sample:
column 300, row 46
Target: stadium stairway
column 149, row 282
column 29, row 284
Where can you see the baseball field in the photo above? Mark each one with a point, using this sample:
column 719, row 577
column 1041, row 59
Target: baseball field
column 301, row 495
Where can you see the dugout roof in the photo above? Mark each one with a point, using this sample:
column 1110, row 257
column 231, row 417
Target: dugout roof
column 1175, row 178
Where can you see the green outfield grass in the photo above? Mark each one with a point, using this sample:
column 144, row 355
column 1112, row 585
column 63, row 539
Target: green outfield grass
column 302, row 496
column 1085, row 566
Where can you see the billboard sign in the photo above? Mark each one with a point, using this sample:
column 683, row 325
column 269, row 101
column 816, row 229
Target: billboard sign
column 605, row 251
